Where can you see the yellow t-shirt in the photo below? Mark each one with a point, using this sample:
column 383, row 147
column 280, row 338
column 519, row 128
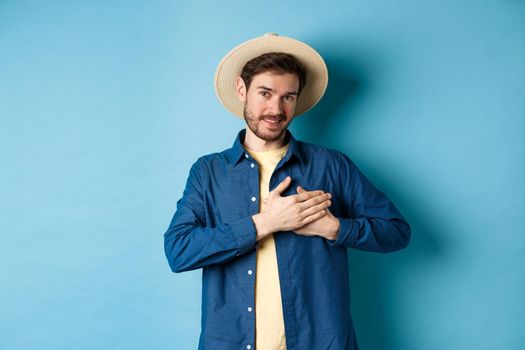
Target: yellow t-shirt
column 269, row 321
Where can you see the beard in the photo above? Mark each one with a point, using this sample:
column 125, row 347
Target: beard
column 254, row 123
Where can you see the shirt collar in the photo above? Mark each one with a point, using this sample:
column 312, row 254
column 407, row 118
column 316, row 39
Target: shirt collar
column 238, row 152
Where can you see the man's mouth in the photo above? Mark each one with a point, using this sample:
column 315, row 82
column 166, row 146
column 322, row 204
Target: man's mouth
column 273, row 121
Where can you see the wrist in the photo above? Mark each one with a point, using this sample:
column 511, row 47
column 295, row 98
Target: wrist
column 333, row 230
column 262, row 225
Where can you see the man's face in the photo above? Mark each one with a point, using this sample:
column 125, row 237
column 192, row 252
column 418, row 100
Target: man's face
column 269, row 104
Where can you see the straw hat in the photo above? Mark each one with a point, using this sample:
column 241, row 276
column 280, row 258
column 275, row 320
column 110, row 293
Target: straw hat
column 232, row 64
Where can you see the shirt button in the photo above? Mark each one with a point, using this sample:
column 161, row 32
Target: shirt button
column 250, row 309
column 246, row 155
column 252, row 165
column 254, row 199
column 248, row 346
column 250, row 272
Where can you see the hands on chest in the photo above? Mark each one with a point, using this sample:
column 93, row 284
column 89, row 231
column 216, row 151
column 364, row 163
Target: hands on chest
column 305, row 213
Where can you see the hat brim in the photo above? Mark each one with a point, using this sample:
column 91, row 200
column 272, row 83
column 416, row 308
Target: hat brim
column 232, row 64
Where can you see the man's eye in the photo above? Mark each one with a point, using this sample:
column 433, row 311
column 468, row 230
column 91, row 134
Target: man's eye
column 264, row 93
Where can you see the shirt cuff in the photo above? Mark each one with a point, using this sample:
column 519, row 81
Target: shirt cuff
column 245, row 233
column 348, row 234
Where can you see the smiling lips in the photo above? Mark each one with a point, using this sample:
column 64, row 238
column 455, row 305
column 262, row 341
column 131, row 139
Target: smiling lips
column 273, row 122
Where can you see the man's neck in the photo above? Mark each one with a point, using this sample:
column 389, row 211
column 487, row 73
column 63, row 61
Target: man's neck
column 254, row 143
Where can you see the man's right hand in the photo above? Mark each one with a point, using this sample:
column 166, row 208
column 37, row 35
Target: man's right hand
column 290, row 212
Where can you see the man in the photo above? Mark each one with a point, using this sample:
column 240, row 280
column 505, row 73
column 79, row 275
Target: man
column 270, row 219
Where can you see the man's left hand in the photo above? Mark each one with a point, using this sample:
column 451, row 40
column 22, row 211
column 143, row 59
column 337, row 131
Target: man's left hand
column 327, row 226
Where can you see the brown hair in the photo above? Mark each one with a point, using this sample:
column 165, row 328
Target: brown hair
column 278, row 62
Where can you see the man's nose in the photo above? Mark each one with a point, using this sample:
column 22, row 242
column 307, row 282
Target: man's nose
column 275, row 105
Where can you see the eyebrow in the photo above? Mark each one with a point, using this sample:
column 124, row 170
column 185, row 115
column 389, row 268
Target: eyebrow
column 267, row 88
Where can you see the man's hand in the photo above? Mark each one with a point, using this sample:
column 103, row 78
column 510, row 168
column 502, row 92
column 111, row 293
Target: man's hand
column 290, row 212
column 326, row 226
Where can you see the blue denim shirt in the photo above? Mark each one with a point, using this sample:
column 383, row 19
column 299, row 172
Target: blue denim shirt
column 212, row 229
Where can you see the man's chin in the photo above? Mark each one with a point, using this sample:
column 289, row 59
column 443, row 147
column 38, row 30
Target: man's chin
column 271, row 136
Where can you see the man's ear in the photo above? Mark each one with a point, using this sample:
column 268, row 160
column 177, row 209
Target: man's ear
column 240, row 89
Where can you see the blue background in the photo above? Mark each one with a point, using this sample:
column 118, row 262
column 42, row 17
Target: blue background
column 104, row 106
